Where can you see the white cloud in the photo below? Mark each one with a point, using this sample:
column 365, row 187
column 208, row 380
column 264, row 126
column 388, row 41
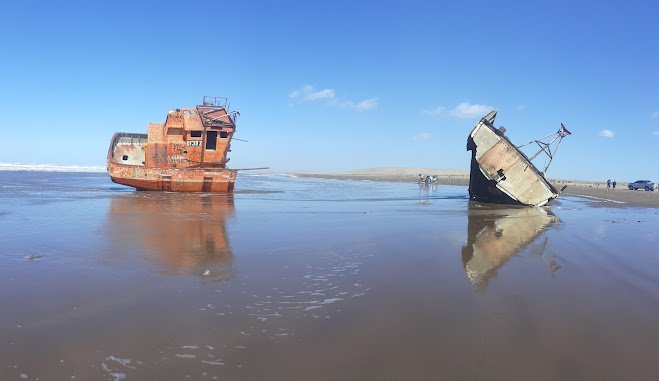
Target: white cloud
column 435, row 111
column 422, row 137
column 656, row 133
column 308, row 93
column 468, row 110
column 521, row 107
column 463, row 110
column 366, row 104
column 654, row 115
column 606, row 133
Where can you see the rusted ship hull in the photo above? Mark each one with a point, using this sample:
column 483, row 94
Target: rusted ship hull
column 221, row 180
column 186, row 153
column 500, row 172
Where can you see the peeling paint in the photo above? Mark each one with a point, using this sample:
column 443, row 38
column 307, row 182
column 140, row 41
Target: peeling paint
column 178, row 155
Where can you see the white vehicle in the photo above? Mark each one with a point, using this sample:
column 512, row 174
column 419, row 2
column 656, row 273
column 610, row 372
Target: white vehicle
column 642, row 184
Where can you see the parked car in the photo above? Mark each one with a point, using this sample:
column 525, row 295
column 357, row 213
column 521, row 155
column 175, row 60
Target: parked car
column 642, row 184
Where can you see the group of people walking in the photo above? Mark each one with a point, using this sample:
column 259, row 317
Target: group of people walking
column 609, row 183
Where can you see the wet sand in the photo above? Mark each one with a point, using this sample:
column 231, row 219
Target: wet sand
column 600, row 195
column 593, row 191
column 302, row 278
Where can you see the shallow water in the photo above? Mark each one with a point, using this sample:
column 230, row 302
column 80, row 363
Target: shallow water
column 307, row 278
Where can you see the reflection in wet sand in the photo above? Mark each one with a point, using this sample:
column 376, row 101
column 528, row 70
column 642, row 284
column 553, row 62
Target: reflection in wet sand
column 183, row 233
column 495, row 233
column 329, row 280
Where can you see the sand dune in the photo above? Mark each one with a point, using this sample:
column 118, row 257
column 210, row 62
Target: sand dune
column 396, row 174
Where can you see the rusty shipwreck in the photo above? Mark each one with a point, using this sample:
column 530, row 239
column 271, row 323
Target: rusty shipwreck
column 187, row 153
column 501, row 173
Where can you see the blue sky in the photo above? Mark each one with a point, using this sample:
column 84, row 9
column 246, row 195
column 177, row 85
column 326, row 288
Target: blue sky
column 337, row 85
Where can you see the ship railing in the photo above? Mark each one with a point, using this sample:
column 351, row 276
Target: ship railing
column 209, row 101
column 210, row 104
column 131, row 138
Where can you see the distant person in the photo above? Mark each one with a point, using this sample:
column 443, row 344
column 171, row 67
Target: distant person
column 614, row 185
column 608, row 184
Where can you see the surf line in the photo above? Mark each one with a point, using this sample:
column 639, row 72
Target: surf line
column 602, row 199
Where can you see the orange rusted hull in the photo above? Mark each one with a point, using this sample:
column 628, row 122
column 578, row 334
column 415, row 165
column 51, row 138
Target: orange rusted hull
column 219, row 180
column 187, row 153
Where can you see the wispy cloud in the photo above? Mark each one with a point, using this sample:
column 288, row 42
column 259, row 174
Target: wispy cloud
column 367, row 104
column 521, row 107
column 435, row 111
column 656, row 133
column 468, row 110
column 606, row 134
column 308, row 93
column 422, row 137
column 654, row 115
column 463, row 110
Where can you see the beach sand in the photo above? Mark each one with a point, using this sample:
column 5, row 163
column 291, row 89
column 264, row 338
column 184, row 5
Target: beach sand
column 590, row 190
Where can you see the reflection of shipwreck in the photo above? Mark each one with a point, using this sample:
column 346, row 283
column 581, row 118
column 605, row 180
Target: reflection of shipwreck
column 496, row 233
column 182, row 233
column 501, row 173
column 187, row 153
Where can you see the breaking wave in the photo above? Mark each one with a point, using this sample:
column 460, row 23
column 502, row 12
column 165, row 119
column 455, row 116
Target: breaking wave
column 50, row 168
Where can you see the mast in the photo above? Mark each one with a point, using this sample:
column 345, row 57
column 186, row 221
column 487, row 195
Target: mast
column 546, row 145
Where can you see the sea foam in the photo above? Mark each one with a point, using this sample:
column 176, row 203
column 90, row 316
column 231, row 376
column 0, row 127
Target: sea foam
column 50, row 168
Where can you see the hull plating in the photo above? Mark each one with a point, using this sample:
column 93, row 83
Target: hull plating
column 219, row 180
column 186, row 153
column 500, row 172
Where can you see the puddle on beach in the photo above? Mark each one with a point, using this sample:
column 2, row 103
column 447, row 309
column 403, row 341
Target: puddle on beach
column 324, row 279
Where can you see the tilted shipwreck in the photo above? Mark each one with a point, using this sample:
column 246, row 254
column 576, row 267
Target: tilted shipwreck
column 501, row 173
column 187, row 153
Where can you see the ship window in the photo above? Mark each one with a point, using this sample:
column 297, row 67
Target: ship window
column 174, row 131
column 125, row 157
column 211, row 140
column 224, row 134
column 195, row 134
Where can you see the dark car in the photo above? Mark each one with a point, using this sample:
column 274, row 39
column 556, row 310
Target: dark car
column 642, row 184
